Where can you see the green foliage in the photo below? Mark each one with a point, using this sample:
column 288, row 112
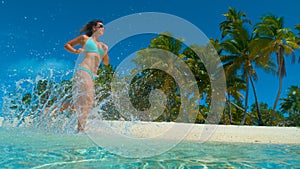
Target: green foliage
column 151, row 79
column 291, row 106
column 297, row 27
column 282, row 42
column 240, row 52
column 236, row 109
column 103, row 93
column 148, row 80
column 266, row 112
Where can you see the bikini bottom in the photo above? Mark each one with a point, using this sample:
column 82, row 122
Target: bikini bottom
column 87, row 71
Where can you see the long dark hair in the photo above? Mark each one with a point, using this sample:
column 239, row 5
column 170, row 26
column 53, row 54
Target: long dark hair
column 88, row 28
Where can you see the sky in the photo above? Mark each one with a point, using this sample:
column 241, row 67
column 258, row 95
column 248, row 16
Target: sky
column 33, row 33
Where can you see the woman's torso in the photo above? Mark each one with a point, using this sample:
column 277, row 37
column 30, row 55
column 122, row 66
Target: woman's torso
column 93, row 54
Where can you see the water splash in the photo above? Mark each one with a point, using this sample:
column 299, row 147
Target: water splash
column 46, row 102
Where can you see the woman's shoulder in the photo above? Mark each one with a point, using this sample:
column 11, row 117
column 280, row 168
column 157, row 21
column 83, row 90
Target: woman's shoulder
column 84, row 37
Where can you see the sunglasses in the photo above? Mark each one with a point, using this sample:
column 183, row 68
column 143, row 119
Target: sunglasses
column 100, row 26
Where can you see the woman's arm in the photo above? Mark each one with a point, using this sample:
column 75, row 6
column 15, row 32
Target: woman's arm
column 105, row 60
column 69, row 46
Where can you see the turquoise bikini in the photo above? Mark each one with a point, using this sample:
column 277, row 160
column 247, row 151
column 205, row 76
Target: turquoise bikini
column 87, row 71
column 91, row 46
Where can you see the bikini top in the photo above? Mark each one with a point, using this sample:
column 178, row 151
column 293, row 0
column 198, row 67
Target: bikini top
column 91, row 46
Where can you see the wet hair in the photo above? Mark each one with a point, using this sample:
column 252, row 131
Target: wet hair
column 88, row 28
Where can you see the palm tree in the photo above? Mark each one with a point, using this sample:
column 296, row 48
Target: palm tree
column 241, row 51
column 281, row 41
column 297, row 27
column 233, row 17
column 234, row 83
column 152, row 78
column 166, row 42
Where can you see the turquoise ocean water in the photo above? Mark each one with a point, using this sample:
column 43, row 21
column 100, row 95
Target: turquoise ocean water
column 31, row 148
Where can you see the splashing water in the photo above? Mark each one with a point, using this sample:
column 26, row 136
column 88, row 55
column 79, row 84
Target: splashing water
column 45, row 102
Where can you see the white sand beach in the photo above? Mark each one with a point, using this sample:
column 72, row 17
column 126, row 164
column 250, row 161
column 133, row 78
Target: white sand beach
column 252, row 134
column 199, row 132
column 205, row 132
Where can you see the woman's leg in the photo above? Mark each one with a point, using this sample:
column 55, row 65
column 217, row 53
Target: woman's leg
column 83, row 97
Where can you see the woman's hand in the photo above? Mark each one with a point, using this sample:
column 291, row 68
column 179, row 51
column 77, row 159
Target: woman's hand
column 79, row 50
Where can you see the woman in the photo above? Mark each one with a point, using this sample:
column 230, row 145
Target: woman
column 94, row 52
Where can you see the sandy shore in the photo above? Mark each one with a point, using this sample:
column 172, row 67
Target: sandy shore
column 205, row 132
column 197, row 132
column 251, row 134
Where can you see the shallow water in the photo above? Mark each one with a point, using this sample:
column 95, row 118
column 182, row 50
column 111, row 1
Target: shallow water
column 32, row 148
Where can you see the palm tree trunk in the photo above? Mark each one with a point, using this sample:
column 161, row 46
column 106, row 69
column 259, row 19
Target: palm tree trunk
column 260, row 121
column 229, row 108
column 237, row 106
column 246, row 101
column 281, row 73
column 224, row 116
column 276, row 100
